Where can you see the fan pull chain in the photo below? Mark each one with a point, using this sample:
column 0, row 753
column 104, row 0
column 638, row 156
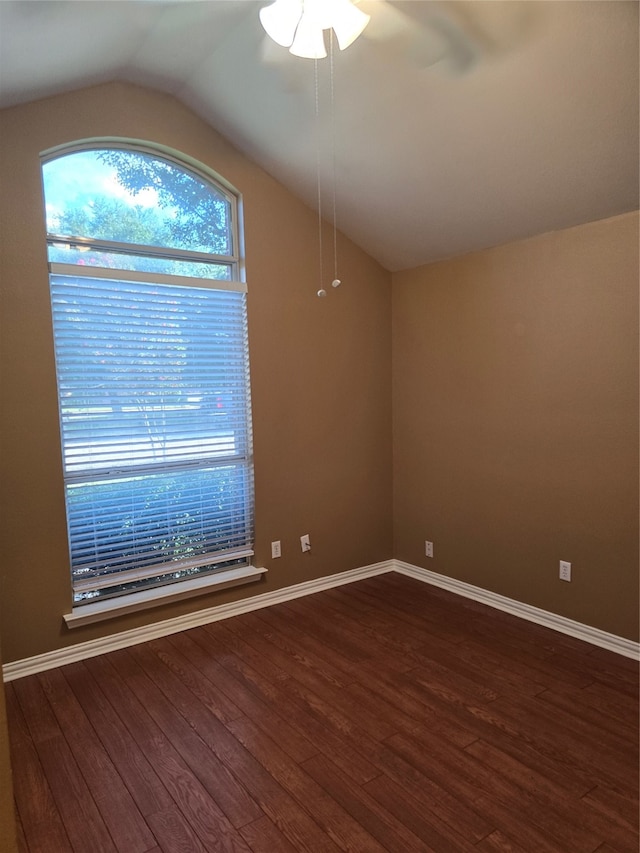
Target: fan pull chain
column 321, row 291
column 336, row 281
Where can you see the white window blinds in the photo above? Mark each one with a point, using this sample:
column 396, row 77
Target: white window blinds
column 153, row 382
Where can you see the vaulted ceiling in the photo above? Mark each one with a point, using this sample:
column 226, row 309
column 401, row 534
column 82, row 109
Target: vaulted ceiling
column 454, row 125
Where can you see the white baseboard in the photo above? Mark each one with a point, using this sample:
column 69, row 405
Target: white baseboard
column 595, row 636
column 92, row 648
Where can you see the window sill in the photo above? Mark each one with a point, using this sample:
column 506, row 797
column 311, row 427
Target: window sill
column 135, row 601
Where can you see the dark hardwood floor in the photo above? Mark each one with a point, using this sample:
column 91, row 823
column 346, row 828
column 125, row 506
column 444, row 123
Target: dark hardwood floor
column 385, row 715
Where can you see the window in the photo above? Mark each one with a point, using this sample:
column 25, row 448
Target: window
column 150, row 331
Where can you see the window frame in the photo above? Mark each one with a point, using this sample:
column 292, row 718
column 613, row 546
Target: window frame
column 186, row 164
column 103, row 607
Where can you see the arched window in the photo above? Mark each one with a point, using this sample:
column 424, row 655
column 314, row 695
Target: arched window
column 150, row 329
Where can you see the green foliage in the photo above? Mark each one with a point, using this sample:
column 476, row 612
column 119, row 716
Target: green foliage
column 114, row 219
column 155, row 517
column 180, row 211
column 199, row 215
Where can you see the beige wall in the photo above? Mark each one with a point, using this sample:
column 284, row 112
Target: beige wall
column 515, row 418
column 321, row 374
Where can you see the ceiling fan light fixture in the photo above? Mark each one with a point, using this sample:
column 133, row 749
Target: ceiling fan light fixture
column 300, row 24
column 280, row 20
column 347, row 22
column 309, row 40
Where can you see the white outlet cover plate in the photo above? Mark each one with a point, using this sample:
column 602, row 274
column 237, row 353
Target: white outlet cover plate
column 565, row 570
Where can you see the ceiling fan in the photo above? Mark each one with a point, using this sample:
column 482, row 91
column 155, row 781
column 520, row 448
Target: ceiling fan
column 425, row 34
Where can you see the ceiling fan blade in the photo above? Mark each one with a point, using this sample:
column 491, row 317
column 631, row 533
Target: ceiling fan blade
column 425, row 36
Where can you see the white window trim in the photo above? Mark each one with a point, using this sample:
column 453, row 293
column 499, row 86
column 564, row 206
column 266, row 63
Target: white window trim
column 151, row 278
column 133, row 602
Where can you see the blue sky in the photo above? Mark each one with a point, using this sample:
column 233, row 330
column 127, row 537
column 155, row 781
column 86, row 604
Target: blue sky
column 78, row 179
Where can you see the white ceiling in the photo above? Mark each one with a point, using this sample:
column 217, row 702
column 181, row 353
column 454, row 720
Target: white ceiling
column 456, row 125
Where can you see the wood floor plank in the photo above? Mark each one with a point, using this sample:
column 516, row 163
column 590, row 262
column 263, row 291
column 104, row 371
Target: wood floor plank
column 477, row 670
column 216, row 701
column 40, row 818
column 367, row 716
column 450, row 686
column 334, row 625
column 385, row 760
column 383, row 715
column 36, row 711
column 83, row 822
column 465, row 777
column 330, row 731
column 204, row 677
column 214, row 735
column 504, row 675
column 498, row 842
column 309, row 677
column 600, row 715
column 422, row 821
column 21, row 840
column 177, row 835
column 569, row 731
column 379, row 681
column 263, row 836
column 620, row 704
column 431, row 607
column 370, row 675
column 390, row 617
column 478, row 621
column 570, row 810
column 519, row 653
column 613, row 669
column 619, row 806
column 432, row 798
column 287, row 624
column 418, row 710
column 126, row 825
column 453, row 717
column 263, row 788
column 393, row 633
column 329, row 814
column 331, row 631
column 140, row 668
column 291, row 650
column 522, row 725
column 381, row 824
column 347, row 727
column 414, row 595
column 127, row 756
column 198, row 807
column 600, row 670
column 573, row 782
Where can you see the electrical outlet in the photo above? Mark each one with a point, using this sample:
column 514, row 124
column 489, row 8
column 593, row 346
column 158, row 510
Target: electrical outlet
column 276, row 550
column 305, row 543
column 428, row 548
column 565, row 570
